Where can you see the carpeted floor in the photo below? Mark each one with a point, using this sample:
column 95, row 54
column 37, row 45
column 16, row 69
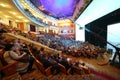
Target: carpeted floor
column 35, row 76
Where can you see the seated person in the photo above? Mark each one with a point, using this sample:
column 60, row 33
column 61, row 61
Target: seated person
column 104, row 60
column 12, row 56
column 65, row 62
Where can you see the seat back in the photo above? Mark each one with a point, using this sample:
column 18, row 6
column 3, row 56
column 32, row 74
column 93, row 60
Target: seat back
column 9, row 69
column 4, row 63
column 62, row 68
column 40, row 66
column 48, row 71
column 77, row 70
column 69, row 71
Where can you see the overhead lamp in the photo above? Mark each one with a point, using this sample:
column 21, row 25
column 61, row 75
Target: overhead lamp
column 14, row 13
column 3, row 5
column 26, row 20
column 7, row 16
column 20, row 17
column 16, row 20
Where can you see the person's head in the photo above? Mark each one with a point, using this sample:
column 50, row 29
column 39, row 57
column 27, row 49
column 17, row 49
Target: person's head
column 21, row 42
column 16, row 41
column 41, row 49
column 9, row 47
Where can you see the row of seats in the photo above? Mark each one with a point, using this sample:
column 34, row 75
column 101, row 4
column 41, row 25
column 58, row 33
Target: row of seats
column 76, row 69
column 67, row 45
column 45, row 71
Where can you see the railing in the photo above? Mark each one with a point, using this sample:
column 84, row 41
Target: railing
column 37, row 44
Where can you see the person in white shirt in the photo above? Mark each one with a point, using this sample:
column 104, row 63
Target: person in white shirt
column 12, row 56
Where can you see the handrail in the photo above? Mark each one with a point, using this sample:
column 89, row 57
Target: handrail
column 32, row 54
column 10, row 35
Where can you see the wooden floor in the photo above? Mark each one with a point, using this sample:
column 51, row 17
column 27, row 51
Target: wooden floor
column 106, row 70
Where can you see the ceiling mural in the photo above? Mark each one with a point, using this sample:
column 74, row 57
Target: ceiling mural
column 43, row 12
column 58, row 8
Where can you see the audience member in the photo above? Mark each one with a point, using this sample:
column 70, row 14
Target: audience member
column 12, row 56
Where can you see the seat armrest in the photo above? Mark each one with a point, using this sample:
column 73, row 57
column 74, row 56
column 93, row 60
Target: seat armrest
column 69, row 71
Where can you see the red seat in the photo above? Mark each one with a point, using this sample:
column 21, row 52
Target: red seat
column 7, row 69
column 77, row 70
column 40, row 66
column 4, row 63
column 69, row 71
column 62, row 68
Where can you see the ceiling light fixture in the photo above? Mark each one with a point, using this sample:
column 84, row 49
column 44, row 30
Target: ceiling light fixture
column 20, row 17
column 26, row 20
column 3, row 5
column 7, row 16
column 16, row 20
column 14, row 13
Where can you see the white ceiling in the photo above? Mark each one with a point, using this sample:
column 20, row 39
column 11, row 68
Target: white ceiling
column 97, row 9
column 10, row 11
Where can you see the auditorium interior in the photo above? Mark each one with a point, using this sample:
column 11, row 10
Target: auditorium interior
column 59, row 40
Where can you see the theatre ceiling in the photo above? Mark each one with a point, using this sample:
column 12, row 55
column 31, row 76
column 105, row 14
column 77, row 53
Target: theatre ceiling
column 62, row 9
column 57, row 9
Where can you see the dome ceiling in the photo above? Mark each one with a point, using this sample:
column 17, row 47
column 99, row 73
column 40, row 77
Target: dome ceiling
column 58, row 8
